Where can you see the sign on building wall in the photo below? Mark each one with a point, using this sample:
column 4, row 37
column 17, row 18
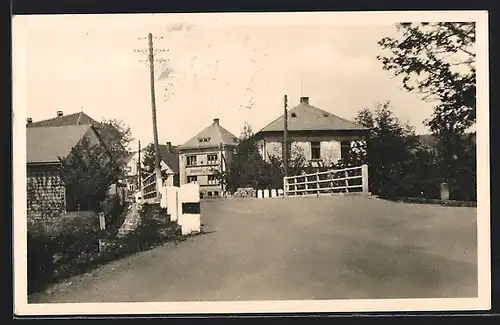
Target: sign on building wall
column 208, row 170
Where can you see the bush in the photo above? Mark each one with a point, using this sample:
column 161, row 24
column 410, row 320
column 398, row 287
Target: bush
column 245, row 192
column 70, row 245
column 62, row 248
column 114, row 212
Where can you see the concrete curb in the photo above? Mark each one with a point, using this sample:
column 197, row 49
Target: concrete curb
column 450, row 203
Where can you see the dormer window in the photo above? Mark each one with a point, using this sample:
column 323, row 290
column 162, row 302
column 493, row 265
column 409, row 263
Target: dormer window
column 203, row 139
column 325, row 114
column 294, row 115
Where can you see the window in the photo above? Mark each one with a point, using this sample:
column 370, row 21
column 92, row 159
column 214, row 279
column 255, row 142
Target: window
column 294, row 115
column 209, row 193
column 192, row 179
column 191, row 161
column 315, row 150
column 212, row 159
column 212, row 180
column 203, row 139
column 345, row 149
column 216, row 193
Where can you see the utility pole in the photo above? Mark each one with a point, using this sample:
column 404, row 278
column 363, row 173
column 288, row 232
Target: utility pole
column 139, row 169
column 285, row 136
column 221, row 169
column 153, row 107
column 151, row 61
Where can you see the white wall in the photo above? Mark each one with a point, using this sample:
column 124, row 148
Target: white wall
column 330, row 149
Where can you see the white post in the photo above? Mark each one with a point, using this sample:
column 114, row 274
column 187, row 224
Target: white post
column 364, row 178
column 266, row 193
column 172, row 202
column 346, row 174
column 281, row 192
column 273, row 193
column 444, row 191
column 259, row 194
column 285, row 186
column 190, row 219
column 102, row 221
column 317, row 184
column 163, row 197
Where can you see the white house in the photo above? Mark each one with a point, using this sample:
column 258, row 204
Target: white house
column 322, row 137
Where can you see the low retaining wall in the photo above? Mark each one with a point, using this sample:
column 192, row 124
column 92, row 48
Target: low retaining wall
column 451, row 203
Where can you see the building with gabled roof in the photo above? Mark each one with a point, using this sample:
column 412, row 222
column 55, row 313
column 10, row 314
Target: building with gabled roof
column 322, row 137
column 79, row 118
column 45, row 146
column 204, row 155
column 169, row 161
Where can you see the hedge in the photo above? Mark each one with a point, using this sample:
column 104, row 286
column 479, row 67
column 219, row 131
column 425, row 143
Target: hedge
column 70, row 245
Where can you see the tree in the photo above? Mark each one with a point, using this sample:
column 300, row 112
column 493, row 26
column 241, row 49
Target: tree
column 148, row 161
column 437, row 60
column 117, row 137
column 390, row 152
column 87, row 173
column 249, row 169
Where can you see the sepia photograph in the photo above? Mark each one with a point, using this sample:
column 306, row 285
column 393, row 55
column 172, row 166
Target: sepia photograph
column 209, row 163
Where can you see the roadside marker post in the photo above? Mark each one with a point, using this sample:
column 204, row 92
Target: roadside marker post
column 190, row 219
column 172, row 198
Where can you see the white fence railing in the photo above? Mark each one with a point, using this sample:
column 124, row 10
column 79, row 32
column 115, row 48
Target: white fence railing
column 149, row 187
column 347, row 180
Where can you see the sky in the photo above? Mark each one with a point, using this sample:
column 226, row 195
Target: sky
column 233, row 67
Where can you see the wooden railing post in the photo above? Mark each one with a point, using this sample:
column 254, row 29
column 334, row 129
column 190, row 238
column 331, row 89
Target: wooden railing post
column 317, row 184
column 285, row 187
column 346, row 174
column 364, row 178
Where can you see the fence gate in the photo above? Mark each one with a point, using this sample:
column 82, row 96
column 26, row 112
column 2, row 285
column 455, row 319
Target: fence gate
column 347, row 180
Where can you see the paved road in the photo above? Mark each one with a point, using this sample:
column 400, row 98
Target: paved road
column 308, row 248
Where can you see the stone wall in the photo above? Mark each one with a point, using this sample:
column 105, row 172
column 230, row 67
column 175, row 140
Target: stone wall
column 45, row 192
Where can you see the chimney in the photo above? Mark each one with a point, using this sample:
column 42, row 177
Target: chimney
column 29, row 120
column 304, row 100
column 169, row 146
column 59, row 113
column 216, row 121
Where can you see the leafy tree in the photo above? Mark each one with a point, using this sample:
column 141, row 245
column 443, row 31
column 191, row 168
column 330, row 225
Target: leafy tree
column 437, row 60
column 117, row 137
column 390, row 152
column 148, row 161
column 87, row 172
column 249, row 169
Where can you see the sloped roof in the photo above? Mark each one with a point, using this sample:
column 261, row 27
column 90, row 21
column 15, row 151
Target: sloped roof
column 47, row 144
column 79, row 118
column 212, row 136
column 305, row 117
column 171, row 158
column 129, row 157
